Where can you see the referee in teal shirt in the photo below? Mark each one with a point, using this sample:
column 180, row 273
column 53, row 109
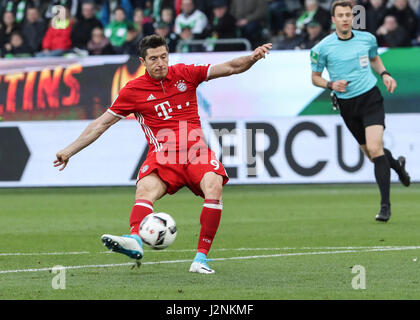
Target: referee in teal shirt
column 349, row 57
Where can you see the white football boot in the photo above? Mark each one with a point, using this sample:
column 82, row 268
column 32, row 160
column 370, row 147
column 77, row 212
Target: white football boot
column 130, row 245
column 200, row 265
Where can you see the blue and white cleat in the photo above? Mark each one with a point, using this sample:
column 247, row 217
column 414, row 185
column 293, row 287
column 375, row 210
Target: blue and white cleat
column 130, row 245
column 200, row 265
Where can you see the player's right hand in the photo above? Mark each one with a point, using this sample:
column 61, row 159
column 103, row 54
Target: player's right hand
column 340, row 85
column 390, row 83
column 62, row 159
column 261, row 51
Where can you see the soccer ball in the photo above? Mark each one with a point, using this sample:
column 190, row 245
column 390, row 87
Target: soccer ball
column 158, row 230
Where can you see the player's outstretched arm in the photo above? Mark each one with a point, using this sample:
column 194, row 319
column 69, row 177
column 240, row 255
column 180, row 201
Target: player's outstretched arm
column 240, row 64
column 93, row 131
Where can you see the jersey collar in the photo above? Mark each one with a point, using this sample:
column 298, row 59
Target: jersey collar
column 352, row 36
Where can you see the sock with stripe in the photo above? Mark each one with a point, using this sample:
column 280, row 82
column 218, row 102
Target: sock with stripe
column 209, row 219
column 140, row 210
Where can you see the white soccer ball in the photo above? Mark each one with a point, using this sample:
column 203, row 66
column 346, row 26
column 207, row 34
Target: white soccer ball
column 158, row 230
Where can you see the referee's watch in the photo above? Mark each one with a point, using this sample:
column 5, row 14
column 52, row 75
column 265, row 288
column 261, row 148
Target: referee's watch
column 329, row 85
column 384, row 73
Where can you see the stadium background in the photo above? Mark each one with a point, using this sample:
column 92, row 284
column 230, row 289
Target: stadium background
column 45, row 102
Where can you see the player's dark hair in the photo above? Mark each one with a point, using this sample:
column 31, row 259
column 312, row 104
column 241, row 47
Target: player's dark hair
column 340, row 3
column 151, row 42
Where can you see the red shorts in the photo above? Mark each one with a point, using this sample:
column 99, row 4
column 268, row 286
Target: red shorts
column 179, row 169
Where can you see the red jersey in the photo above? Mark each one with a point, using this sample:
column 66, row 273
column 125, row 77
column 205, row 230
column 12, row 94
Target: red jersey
column 166, row 109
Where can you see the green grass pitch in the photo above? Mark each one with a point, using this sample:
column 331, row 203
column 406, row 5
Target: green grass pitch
column 274, row 242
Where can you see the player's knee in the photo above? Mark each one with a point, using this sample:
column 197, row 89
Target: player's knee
column 212, row 187
column 213, row 192
column 149, row 190
column 375, row 150
column 366, row 152
column 145, row 193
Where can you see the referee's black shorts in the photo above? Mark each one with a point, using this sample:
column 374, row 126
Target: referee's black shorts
column 363, row 111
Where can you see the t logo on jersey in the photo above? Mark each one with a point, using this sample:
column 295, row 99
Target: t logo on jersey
column 163, row 111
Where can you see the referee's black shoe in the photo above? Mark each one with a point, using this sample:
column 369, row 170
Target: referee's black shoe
column 402, row 173
column 385, row 213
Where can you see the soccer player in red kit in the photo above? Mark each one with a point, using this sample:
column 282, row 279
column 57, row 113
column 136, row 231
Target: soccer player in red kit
column 165, row 104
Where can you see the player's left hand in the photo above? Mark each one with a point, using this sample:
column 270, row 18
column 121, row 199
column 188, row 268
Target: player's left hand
column 62, row 159
column 389, row 83
column 261, row 51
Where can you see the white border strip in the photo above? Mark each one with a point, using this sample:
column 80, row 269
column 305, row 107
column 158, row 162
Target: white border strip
column 115, row 114
column 208, row 72
column 144, row 205
column 213, row 206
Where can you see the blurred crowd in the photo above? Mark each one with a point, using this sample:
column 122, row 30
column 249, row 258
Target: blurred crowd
column 45, row 28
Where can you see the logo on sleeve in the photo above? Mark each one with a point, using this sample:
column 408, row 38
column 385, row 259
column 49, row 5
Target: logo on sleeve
column 151, row 97
column 314, row 57
column 181, row 86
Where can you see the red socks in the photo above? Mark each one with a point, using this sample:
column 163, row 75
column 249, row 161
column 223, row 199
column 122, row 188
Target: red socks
column 209, row 219
column 140, row 210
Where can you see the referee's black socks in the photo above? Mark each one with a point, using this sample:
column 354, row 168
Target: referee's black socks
column 383, row 177
column 392, row 162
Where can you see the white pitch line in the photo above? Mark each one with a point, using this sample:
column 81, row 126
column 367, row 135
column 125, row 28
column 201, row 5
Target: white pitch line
column 42, row 253
column 282, row 248
column 69, row 267
column 220, row 259
column 193, row 250
column 318, row 252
